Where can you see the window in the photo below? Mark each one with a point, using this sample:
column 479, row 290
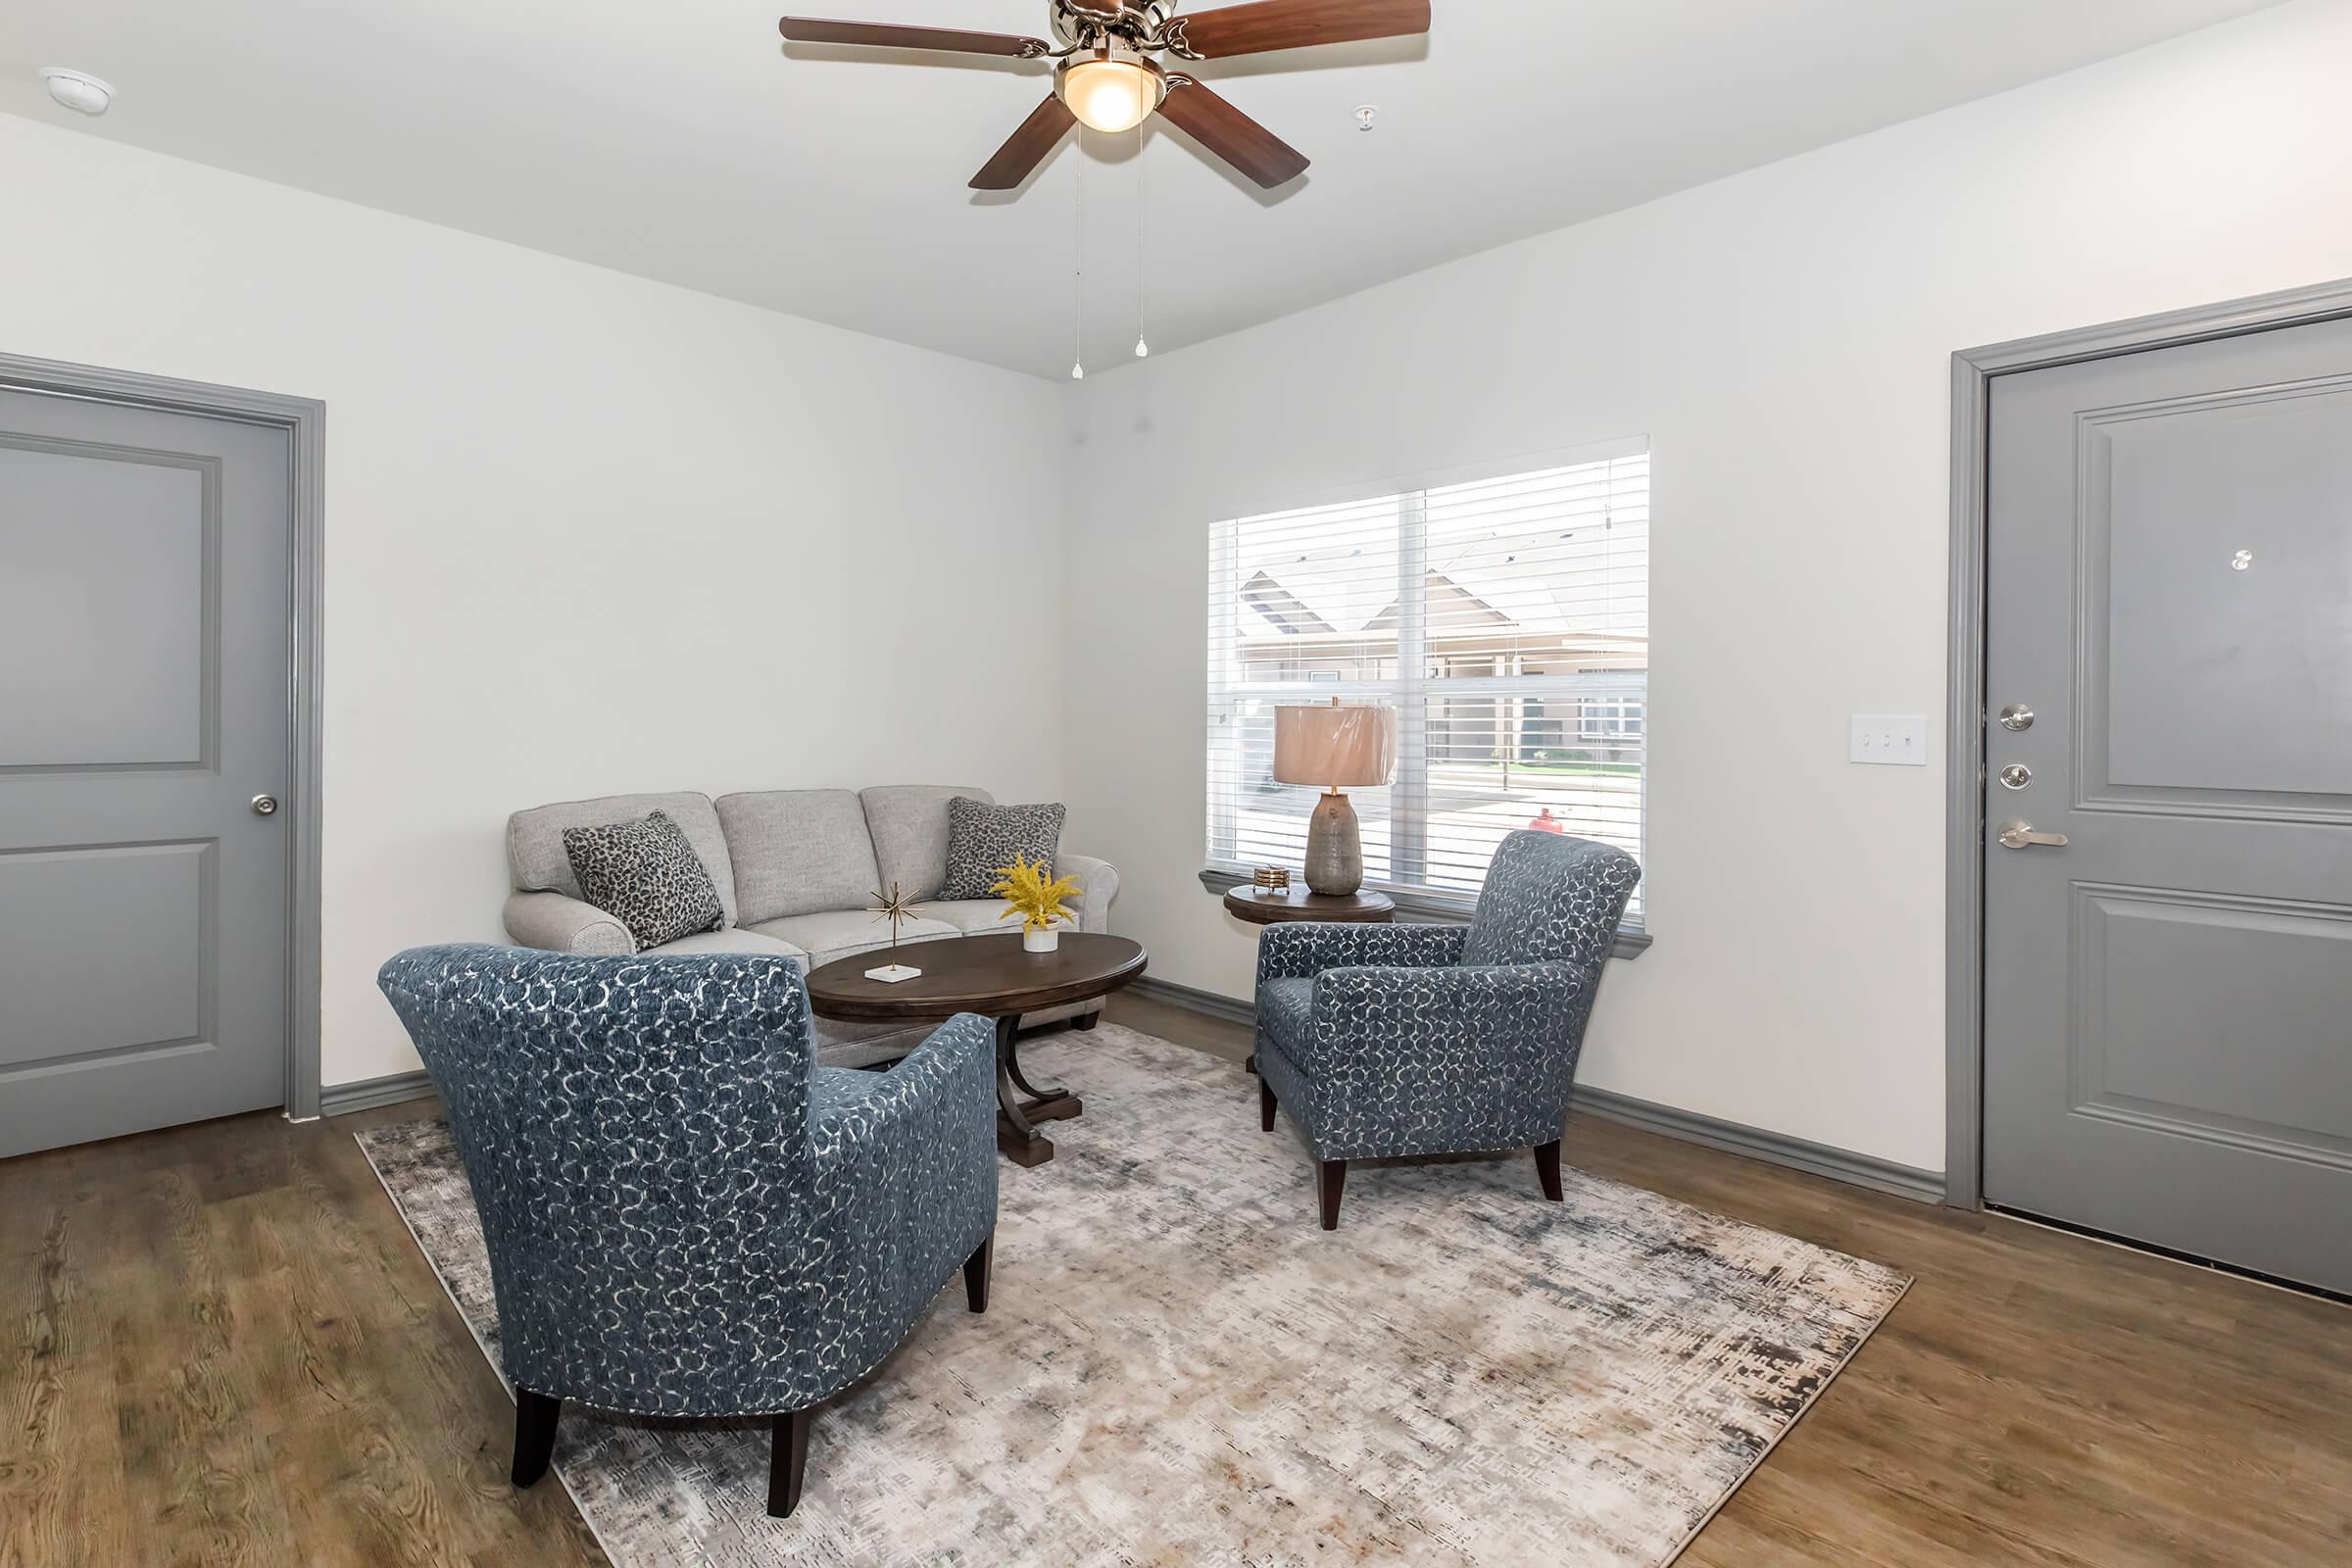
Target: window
column 1507, row 621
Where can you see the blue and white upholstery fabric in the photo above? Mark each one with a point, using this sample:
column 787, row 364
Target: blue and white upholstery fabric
column 685, row 1217
column 1386, row 1040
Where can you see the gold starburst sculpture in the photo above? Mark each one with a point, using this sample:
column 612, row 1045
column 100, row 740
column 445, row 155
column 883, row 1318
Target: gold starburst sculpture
column 893, row 907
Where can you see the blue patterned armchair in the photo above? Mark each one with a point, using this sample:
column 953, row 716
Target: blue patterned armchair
column 1386, row 1040
column 684, row 1216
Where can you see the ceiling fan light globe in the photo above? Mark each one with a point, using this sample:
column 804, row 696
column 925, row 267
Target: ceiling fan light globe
column 1110, row 93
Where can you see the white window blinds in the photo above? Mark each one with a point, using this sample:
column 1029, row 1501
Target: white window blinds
column 1507, row 621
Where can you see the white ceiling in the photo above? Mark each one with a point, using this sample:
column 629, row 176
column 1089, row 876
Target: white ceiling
column 677, row 139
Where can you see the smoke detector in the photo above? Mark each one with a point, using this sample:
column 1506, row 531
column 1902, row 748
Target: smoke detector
column 78, row 90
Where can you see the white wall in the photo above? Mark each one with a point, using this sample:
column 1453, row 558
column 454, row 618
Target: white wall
column 584, row 533
column 1784, row 339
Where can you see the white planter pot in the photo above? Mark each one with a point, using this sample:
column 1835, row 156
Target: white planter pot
column 1045, row 941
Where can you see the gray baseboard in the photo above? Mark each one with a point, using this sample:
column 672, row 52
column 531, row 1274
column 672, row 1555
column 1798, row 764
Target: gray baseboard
column 1208, row 1001
column 1756, row 1143
column 337, row 1099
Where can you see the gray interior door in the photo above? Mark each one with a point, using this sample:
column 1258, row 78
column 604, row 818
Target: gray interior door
column 145, row 642
column 2167, row 993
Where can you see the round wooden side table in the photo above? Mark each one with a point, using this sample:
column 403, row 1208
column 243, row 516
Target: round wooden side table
column 1276, row 906
column 1280, row 905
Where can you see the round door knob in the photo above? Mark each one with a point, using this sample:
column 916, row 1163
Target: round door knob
column 264, row 805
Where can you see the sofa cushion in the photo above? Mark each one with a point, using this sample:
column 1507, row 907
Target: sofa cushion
column 837, row 933
column 910, row 825
column 974, row 918
column 796, row 852
column 982, row 839
column 843, row 1043
column 644, row 874
column 535, row 856
column 735, row 939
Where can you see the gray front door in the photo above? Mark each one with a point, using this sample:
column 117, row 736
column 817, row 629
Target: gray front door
column 2168, row 993
column 144, row 625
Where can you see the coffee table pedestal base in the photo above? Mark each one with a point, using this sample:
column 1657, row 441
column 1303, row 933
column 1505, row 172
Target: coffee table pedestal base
column 1021, row 1105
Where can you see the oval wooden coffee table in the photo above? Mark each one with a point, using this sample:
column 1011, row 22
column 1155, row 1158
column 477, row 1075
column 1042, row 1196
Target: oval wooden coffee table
column 995, row 977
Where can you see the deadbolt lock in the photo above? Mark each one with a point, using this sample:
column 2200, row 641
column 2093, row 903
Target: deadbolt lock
column 2017, row 715
column 2016, row 776
column 264, row 805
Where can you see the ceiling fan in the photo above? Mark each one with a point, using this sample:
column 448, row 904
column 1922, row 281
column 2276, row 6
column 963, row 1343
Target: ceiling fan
column 1108, row 79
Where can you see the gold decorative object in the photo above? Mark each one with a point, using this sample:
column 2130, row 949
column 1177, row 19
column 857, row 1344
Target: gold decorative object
column 1272, row 878
column 893, row 907
column 1036, row 898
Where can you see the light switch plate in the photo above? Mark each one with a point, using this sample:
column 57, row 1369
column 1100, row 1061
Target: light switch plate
column 1899, row 739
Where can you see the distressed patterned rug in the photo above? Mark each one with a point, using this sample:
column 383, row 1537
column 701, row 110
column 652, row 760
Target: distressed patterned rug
column 1177, row 1368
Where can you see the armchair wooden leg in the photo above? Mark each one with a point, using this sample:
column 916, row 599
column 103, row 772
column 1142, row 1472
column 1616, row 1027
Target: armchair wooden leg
column 1548, row 1168
column 1332, row 1175
column 534, row 1434
column 788, row 1462
column 1265, row 1107
column 975, row 1272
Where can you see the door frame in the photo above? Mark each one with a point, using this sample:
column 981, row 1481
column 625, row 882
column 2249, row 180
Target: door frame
column 303, row 419
column 1972, row 373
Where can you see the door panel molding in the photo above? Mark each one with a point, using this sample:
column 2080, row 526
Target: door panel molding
column 2096, row 906
column 1973, row 371
column 303, row 419
column 131, row 956
column 2095, row 783
column 208, row 631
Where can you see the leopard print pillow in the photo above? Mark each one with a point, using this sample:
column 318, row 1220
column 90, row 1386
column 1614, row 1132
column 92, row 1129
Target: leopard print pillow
column 645, row 875
column 983, row 837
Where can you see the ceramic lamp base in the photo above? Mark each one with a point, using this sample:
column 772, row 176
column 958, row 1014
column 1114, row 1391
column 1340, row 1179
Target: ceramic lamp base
column 1334, row 850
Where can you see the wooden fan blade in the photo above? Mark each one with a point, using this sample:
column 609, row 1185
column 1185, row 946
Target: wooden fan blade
column 1026, row 148
column 815, row 30
column 1253, row 30
column 1232, row 135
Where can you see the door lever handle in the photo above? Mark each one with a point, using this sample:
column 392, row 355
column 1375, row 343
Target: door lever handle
column 2018, row 835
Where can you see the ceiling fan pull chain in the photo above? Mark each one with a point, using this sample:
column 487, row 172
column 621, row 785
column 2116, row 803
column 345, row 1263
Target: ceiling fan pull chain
column 1140, row 347
column 1078, row 261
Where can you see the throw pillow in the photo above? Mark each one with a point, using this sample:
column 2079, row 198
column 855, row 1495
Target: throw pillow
column 645, row 875
column 983, row 837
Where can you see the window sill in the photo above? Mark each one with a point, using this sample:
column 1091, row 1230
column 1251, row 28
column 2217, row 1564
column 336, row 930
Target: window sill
column 1632, row 941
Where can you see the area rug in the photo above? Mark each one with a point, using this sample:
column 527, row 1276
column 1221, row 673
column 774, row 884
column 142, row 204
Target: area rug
column 1178, row 1367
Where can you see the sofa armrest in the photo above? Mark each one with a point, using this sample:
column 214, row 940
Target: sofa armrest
column 1300, row 947
column 562, row 923
column 1097, row 884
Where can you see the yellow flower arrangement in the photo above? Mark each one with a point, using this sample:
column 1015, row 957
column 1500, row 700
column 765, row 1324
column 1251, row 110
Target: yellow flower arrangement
column 1033, row 896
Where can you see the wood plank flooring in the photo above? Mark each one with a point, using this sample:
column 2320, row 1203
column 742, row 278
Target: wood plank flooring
column 219, row 1345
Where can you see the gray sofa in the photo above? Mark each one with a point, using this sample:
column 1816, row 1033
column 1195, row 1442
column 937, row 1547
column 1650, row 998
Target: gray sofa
column 795, row 870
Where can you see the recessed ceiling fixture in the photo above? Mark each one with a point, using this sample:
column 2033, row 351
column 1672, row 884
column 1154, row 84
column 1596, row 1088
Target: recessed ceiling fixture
column 78, row 90
column 1108, row 79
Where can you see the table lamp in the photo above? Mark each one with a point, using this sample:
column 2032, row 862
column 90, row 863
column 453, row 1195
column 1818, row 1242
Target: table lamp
column 1340, row 749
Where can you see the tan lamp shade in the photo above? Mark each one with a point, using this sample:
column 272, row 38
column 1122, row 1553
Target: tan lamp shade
column 1337, row 748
